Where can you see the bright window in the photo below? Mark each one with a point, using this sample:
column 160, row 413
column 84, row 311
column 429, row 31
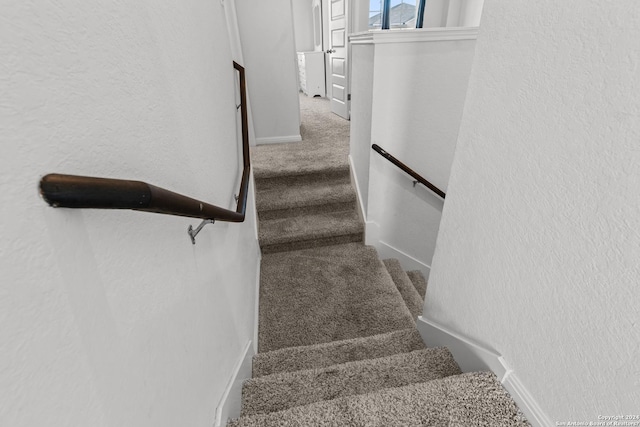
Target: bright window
column 402, row 14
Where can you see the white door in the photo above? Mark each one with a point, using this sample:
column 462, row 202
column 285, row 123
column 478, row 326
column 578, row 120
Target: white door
column 337, row 57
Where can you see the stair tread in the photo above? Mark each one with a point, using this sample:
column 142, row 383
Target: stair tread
column 284, row 390
column 324, row 294
column 406, row 288
column 419, row 282
column 335, row 352
column 470, row 399
column 312, row 194
column 283, row 160
column 309, row 228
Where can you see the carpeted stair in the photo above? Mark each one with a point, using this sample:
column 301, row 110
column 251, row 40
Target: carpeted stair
column 419, row 282
column 288, row 389
column 337, row 341
column 405, row 286
column 300, row 209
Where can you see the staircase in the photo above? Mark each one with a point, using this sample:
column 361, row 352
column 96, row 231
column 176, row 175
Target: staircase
column 337, row 343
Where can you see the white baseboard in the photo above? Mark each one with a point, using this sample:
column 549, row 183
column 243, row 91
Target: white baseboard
column 408, row 262
column 256, row 307
column 525, row 401
column 354, row 180
column 231, row 401
column 472, row 356
column 278, row 139
column 385, row 250
column 371, row 233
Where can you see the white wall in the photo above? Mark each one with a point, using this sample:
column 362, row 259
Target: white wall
column 412, row 108
column 471, row 13
column 303, row 25
column 267, row 36
column 453, row 13
column 113, row 318
column 538, row 249
column 362, row 57
column 359, row 20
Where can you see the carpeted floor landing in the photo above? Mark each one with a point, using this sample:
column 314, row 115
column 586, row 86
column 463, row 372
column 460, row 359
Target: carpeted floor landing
column 337, row 339
column 328, row 293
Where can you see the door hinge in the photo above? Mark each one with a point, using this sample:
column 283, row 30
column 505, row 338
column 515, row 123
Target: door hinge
column 349, row 97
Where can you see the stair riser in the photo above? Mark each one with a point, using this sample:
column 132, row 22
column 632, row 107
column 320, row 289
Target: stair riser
column 336, row 352
column 307, row 244
column 282, row 391
column 419, row 282
column 332, row 177
column 476, row 399
column 406, row 288
column 305, row 210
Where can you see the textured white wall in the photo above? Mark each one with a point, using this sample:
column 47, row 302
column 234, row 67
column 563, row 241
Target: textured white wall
column 113, row 318
column 471, row 13
column 453, row 13
column 362, row 56
column 359, row 10
column 303, row 25
column 266, row 33
column 419, row 92
column 411, row 105
column 538, row 249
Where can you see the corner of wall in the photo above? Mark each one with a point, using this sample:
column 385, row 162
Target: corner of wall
column 278, row 139
column 362, row 211
column 472, row 356
column 231, row 401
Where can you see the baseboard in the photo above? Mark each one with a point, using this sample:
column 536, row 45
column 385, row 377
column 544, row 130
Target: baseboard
column 473, row 356
column 231, row 401
column 278, row 139
column 525, row 401
column 408, row 262
column 470, row 355
column 256, row 307
column 371, row 233
column 385, row 250
column 354, row 180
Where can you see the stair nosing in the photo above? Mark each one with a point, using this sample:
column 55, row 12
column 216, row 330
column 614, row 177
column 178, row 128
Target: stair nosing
column 426, row 350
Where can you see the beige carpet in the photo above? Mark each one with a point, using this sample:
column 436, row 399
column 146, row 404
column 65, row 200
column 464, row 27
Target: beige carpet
column 467, row 400
column 336, row 352
column 324, row 146
column 328, row 293
column 304, row 195
column 286, row 390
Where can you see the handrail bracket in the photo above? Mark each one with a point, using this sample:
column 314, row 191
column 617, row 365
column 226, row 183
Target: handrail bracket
column 194, row 232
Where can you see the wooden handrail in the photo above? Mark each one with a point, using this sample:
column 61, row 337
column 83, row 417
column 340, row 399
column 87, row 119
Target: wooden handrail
column 408, row 170
column 72, row 191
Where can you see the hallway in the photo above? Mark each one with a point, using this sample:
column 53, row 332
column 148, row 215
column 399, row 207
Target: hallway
column 325, row 143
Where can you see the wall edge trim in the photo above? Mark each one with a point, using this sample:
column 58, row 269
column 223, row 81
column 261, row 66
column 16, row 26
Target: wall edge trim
column 354, row 180
column 412, row 35
column 408, row 262
column 527, row 404
column 231, row 400
column 474, row 356
column 278, row 139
